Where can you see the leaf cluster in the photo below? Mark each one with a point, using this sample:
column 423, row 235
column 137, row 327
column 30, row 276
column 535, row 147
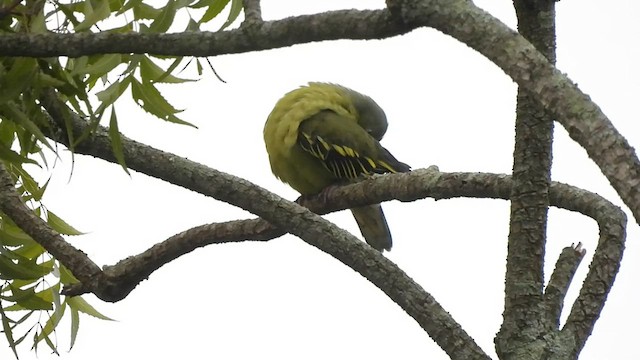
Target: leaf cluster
column 91, row 87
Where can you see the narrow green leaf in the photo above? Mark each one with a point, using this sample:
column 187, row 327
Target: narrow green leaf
column 77, row 302
column 8, row 332
column 11, row 235
column 68, row 11
column 26, row 269
column 7, row 132
column 60, row 225
column 27, row 182
column 54, row 319
column 192, row 25
column 30, row 251
column 13, row 157
column 213, row 10
column 150, row 99
column 37, row 23
column 203, row 3
column 66, row 277
column 115, row 5
column 116, row 140
column 13, row 112
column 129, row 5
column 29, row 300
column 18, row 77
column 45, row 80
column 75, row 325
column 144, row 11
column 109, row 95
column 199, row 67
column 93, row 15
column 236, row 8
column 102, row 65
column 150, row 71
column 164, row 20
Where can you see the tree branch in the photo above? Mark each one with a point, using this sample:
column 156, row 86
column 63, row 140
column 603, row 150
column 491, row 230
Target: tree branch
column 583, row 119
column 331, row 25
column 529, row 199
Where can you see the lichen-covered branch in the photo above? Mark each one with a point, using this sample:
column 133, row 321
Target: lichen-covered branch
column 529, row 198
column 518, row 58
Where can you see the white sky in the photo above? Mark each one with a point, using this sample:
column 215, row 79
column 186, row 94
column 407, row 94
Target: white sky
column 446, row 105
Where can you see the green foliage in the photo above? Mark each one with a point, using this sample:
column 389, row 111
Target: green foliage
column 30, row 279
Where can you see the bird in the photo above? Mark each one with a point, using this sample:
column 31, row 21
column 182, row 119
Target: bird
column 323, row 134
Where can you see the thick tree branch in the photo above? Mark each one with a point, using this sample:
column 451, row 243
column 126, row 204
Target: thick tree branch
column 529, row 199
column 331, row 25
column 583, row 120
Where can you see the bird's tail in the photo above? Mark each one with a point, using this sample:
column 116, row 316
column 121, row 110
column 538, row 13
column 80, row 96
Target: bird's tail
column 373, row 226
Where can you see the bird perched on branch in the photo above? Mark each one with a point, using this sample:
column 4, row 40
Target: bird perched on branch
column 325, row 134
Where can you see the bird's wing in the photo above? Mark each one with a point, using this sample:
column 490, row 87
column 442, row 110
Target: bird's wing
column 345, row 148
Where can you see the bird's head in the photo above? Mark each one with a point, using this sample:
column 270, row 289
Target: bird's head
column 369, row 114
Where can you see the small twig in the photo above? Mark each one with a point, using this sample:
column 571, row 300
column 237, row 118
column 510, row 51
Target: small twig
column 252, row 12
column 563, row 273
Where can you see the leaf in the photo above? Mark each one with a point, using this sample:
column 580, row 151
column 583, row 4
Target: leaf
column 28, row 183
column 24, row 269
column 60, row 225
column 11, row 235
column 80, row 304
column 13, row 112
column 45, row 80
column 101, row 66
column 31, row 250
column 54, row 319
column 236, row 8
column 149, row 71
column 129, row 5
column 150, row 99
column 213, row 10
column 109, row 95
column 116, row 140
column 144, row 11
column 203, row 3
column 164, row 20
column 8, row 331
column 29, row 300
column 75, row 325
column 17, row 78
column 13, row 157
column 66, row 277
column 92, row 16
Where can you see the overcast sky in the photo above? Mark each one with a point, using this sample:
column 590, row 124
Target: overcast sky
column 447, row 106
